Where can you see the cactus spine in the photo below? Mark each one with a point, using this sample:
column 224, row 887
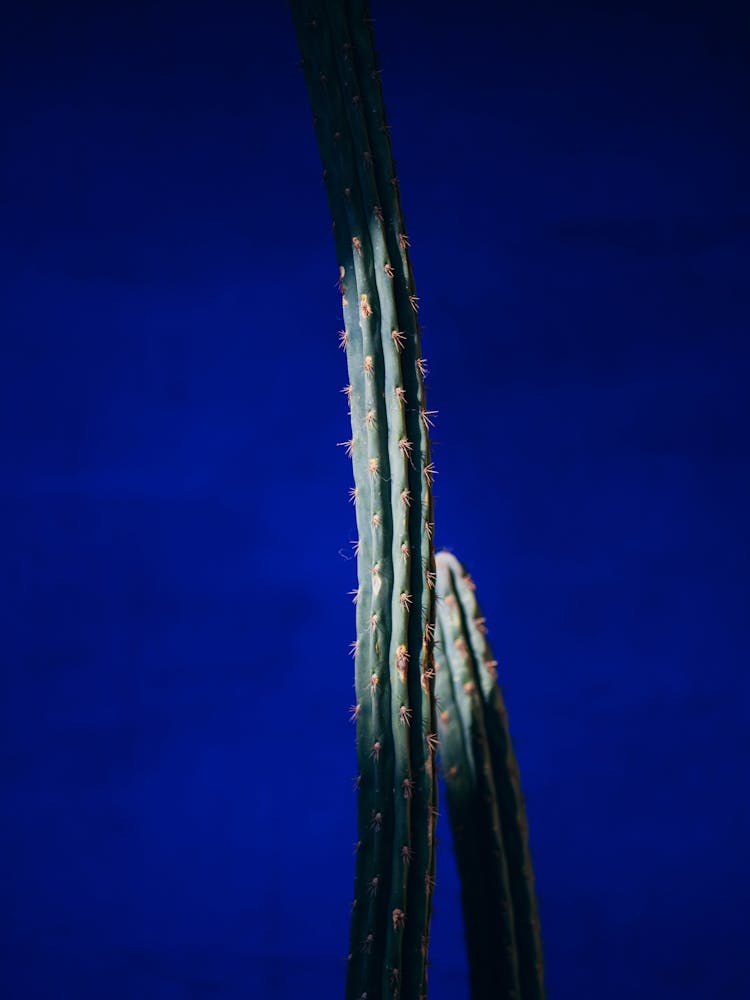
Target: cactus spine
column 484, row 800
column 394, row 667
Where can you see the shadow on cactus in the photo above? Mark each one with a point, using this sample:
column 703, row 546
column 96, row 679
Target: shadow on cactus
column 416, row 627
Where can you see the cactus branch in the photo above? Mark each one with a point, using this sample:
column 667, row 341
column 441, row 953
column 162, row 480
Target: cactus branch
column 484, row 800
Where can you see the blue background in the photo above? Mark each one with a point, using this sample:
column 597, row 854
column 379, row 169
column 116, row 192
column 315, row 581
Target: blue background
column 176, row 539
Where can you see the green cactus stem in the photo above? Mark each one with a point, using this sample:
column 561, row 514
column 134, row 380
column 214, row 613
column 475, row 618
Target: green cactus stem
column 394, row 667
column 485, row 803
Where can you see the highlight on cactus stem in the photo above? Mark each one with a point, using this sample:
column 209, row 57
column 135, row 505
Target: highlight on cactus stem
column 485, row 804
column 395, row 598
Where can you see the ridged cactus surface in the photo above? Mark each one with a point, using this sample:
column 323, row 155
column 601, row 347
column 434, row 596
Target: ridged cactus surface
column 485, row 803
column 396, row 727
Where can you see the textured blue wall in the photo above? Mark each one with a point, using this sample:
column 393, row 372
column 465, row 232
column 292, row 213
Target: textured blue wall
column 178, row 815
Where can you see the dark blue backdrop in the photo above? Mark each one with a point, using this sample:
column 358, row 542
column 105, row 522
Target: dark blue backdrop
column 178, row 814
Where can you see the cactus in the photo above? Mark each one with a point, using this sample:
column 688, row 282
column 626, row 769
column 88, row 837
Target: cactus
column 395, row 715
column 484, row 799
column 394, row 668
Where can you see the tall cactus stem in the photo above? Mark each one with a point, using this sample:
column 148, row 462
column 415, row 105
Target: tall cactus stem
column 395, row 719
column 420, row 477
column 370, row 683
